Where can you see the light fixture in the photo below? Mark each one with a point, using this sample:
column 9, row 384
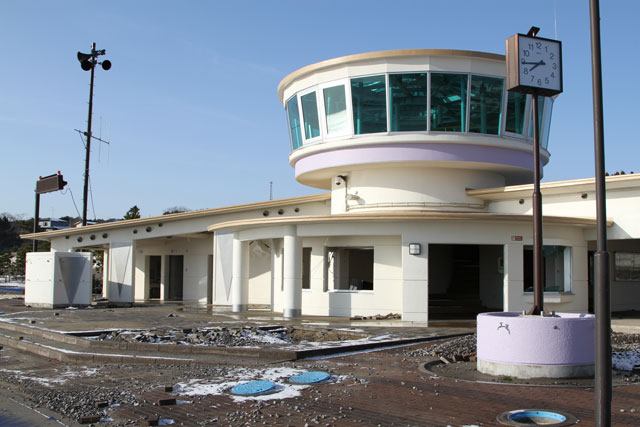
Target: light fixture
column 415, row 248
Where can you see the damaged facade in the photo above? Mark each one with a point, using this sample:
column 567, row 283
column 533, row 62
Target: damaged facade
column 428, row 162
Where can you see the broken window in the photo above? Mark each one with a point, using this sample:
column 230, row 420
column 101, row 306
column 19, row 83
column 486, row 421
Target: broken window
column 350, row 269
column 556, row 267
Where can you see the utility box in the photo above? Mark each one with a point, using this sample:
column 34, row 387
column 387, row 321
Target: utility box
column 58, row 279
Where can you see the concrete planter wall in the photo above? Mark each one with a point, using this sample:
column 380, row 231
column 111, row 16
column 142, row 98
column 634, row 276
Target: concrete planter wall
column 534, row 346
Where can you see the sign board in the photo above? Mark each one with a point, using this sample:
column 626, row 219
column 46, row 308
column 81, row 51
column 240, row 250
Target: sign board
column 50, row 183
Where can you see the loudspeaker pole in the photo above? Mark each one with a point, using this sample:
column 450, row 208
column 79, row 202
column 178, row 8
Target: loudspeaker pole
column 88, row 62
column 88, row 148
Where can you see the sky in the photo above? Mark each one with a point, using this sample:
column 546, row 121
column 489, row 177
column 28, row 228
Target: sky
column 190, row 108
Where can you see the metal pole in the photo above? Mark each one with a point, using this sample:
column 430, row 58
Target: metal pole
column 538, row 295
column 601, row 258
column 88, row 135
column 36, row 218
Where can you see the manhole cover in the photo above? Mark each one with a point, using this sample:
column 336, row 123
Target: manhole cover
column 253, row 387
column 539, row 417
column 309, row 377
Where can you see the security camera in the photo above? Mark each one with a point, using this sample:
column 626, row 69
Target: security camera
column 340, row 179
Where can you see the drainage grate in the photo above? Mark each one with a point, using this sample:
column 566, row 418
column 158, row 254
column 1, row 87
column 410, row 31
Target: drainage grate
column 539, row 417
column 309, row 377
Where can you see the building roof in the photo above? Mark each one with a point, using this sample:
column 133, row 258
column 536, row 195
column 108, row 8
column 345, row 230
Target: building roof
column 613, row 183
column 177, row 216
column 379, row 55
column 402, row 216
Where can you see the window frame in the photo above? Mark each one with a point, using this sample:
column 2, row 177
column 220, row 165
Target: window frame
column 305, row 140
column 502, row 121
column 289, row 122
column 615, row 267
column 386, row 100
column 567, row 270
column 465, row 124
column 324, row 131
column 331, row 274
column 527, row 107
column 390, row 104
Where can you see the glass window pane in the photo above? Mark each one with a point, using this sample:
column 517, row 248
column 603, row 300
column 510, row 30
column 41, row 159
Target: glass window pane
column 546, row 122
column 627, row 266
column 310, row 115
column 368, row 96
column 556, row 266
column 486, row 105
column 540, row 111
column 408, row 95
column 335, row 109
column 448, row 102
column 294, row 123
column 515, row 112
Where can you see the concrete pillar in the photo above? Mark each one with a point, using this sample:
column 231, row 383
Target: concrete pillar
column 105, row 272
column 513, row 277
column 240, row 275
column 292, row 274
column 415, row 289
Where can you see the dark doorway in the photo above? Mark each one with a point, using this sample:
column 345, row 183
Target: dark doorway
column 465, row 280
column 176, row 275
column 155, row 268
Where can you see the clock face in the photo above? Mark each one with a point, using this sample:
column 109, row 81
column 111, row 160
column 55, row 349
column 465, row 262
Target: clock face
column 540, row 63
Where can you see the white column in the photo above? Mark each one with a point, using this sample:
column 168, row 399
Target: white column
column 240, row 275
column 513, row 299
column 415, row 289
column 121, row 277
column 105, row 272
column 292, row 274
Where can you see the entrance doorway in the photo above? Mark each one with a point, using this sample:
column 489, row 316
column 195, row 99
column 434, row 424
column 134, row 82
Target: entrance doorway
column 155, row 268
column 176, row 276
column 465, row 280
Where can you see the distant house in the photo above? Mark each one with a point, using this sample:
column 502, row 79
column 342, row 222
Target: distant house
column 427, row 164
column 51, row 224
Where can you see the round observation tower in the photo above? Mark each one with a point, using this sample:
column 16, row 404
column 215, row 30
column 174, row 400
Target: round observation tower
column 410, row 129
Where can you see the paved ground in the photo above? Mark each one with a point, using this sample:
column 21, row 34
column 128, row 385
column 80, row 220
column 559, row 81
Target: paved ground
column 383, row 387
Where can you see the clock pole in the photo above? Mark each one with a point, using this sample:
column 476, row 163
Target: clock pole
column 603, row 386
column 538, row 295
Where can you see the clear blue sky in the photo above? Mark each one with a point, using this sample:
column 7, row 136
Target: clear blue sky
column 190, row 105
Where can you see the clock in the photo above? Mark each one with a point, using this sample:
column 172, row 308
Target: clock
column 534, row 65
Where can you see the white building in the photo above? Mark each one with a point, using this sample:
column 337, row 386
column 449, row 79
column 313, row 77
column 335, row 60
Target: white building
column 427, row 162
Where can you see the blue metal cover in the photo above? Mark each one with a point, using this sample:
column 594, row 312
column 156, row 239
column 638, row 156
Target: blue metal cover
column 253, row 387
column 309, row 377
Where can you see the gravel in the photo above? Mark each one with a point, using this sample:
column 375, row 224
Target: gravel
column 465, row 347
column 221, row 336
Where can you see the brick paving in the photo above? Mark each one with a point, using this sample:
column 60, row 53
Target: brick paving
column 383, row 387
column 389, row 390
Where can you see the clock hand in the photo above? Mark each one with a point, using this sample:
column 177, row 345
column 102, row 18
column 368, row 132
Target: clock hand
column 541, row 62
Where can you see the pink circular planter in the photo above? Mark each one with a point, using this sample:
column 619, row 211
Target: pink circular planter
column 534, row 346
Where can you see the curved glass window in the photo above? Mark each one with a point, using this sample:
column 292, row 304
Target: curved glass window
column 516, row 103
column 540, row 116
column 548, row 106
column 310, row 115
column 368, row 95
column 335, row 109
column 448, row 102
column 485, row 105
column 294, row 123
column 408, row 98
